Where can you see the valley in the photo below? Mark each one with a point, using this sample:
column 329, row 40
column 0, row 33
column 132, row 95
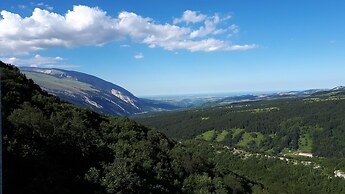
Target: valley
column 172, row 97
column 276, row 126
column 262, row 146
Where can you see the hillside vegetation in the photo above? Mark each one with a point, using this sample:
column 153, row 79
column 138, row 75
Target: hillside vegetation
column 314, row 124
column 50, row 146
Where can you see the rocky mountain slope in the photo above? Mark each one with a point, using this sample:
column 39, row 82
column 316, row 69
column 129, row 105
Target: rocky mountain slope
column 90, row 91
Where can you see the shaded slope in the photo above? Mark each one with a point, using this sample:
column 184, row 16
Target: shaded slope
column 52, row 146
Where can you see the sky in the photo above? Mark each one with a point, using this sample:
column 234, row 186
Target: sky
column 157, row 47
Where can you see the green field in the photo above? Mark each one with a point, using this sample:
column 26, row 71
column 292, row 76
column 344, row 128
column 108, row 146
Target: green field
column 247, row 138
column 254, row 137
column 236, row 132
column 305, row 143
column 221, row 136
column 208, row 135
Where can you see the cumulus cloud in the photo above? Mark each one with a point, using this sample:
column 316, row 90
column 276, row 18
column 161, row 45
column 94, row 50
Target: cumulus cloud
column 38, row 61
column 44, row 29
column 210, row 27
column 190, row 17
column 139, row 56
column 85, row 25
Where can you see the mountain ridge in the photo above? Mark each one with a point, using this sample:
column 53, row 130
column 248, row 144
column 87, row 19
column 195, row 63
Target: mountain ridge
column 277, row 95
column 105, row 97
column 90, row 91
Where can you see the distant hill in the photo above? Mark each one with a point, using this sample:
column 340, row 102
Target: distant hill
column 277, row 95
column 90, row 91
column 340, row 90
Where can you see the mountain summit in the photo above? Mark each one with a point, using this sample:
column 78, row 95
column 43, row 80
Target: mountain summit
column 90, row 91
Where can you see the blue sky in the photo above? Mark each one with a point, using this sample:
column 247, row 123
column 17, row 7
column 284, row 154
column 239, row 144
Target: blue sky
column 175, row 47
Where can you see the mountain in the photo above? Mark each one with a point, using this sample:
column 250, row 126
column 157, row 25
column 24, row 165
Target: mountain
column 90, row 91
column 339, row 90
column 276, row 95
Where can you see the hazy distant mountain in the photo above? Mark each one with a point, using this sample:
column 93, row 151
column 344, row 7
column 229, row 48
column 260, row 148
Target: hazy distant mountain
column 278, row 95
column 340, row 90
column 90, row 91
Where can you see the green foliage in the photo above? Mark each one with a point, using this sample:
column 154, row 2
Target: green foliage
column 299, row 124
column 196, row 158
column 54, row 147
column 51, row 146
column 280, row 176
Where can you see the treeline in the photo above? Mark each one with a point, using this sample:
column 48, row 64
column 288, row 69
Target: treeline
column 50, row 146
column 282, row 122
column 278, row 175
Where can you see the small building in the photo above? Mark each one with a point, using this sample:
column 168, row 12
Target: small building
column 310, row 155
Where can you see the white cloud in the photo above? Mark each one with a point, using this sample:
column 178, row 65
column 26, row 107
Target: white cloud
column 190, row 17
column 228, row 17
column 44, row 29
column 234, row 28
column 210, row 23
column 38, row 61
column 139, row 56
column 206, row 45
column 84, row 26
column 49, row 7
column 41, row 4
column 210, row 27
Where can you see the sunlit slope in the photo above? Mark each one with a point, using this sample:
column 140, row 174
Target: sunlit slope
column 92, row 92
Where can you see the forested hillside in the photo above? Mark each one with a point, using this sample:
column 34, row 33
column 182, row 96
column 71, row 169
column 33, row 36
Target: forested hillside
column 50, row 146
column 314, row 124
